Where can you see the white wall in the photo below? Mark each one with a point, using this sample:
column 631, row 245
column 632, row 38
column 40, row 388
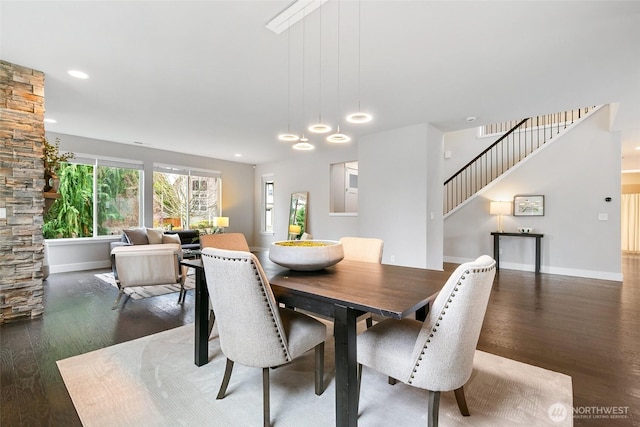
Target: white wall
column 305, row 171
column 237, row 196
column 400, row 182
column 575, row 173
column 463, row 145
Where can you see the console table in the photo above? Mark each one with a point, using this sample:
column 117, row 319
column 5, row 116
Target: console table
column 496, row 245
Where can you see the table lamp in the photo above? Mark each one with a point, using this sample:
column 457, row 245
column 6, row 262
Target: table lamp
column 499, row 209
column 220, row 222
column 294, row 230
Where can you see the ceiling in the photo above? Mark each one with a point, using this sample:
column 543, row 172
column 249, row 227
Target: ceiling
column 208, row 78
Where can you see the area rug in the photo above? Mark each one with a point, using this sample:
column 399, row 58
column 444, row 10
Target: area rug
column 139, row 292
column 153, row 381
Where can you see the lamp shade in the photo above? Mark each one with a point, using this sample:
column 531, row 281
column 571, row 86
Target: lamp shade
column 295, row 229
column 500, row 208
column 221, row 221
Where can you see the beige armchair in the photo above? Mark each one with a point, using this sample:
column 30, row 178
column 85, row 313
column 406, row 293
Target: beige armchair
column 254, row 331
column 437, row 354
column 147, row 265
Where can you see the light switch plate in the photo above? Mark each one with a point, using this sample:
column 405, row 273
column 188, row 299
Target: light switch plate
column 603, row 217
column 3, row 213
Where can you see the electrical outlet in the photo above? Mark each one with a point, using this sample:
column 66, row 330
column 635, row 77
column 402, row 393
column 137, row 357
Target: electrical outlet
column 392, row 258
column 3, row 213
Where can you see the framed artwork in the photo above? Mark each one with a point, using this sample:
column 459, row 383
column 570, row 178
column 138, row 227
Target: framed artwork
column 528, row 205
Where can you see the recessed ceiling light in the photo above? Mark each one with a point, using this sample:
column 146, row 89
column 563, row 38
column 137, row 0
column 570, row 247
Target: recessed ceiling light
column 637, row 148
column 237, row 155
column 78, row 74
column 50, row 121
column 471, row 119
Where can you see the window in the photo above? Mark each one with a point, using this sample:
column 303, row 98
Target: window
column 99, row 197
column 185, row 198
column 267, row 204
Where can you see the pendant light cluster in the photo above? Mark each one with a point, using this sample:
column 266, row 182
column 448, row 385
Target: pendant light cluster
column 359, row 117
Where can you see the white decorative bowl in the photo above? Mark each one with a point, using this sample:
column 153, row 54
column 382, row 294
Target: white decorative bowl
column 525, row 230
column 306, row 255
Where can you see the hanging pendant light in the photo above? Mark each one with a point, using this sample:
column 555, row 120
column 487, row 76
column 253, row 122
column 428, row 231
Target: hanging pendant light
column 288, row 136
column 360, row 116
column 320, row 127
column 303, row 144
column 338, row 138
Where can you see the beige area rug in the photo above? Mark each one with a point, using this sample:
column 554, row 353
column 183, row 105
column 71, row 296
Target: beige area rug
column 152, row 381
column 139, row 292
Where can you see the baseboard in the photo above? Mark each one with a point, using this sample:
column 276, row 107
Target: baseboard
column 82, row 266
column 590, row 274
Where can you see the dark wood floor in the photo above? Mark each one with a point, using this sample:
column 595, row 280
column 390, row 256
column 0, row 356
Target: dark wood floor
column 588, row 329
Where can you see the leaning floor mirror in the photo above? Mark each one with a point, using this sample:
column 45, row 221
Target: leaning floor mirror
column 298, row 215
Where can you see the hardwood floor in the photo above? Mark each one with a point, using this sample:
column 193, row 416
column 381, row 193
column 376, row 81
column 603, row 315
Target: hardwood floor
column 588, row 329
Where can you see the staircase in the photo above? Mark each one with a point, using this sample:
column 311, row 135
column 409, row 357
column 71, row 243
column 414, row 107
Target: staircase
column 518, row 141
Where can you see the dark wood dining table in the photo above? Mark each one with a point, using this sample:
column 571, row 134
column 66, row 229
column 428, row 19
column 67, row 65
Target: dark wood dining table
column 342, row 292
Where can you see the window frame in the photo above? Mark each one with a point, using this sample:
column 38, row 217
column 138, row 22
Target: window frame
column 190, row 172
column 96, row 161
column 267, row 181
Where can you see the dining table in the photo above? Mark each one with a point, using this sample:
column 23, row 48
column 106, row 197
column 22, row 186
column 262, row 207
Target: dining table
column 341, row 292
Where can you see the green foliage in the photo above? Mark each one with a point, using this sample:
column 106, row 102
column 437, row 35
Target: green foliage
column 52, row 157
column 114, row 184
column 300, row 217
column 72, row 214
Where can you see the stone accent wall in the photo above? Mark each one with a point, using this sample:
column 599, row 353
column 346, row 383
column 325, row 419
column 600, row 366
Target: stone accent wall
column 21, row 186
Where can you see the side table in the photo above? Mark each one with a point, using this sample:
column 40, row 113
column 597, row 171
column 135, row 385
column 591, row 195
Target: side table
column 496, row 245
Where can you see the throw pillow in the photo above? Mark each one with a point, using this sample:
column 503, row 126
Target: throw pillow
column 137, row 236
column 154, row 235
column 171, row 238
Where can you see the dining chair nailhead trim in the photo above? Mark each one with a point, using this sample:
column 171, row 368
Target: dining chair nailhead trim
column 285, row 353
column 443, row 312
column 437, row 324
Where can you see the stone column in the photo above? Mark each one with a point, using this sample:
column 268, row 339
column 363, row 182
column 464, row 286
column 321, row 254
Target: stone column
column 21, row 186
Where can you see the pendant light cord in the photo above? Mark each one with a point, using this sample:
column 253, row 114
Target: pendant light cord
column 289, row 78
column 359, row 41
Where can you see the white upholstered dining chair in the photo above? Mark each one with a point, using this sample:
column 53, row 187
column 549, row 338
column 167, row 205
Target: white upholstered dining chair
column 366, row 249
column 437, row 354
column 253, row 330
column 229, row 241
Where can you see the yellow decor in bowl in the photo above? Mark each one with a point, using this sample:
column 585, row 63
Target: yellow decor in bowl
column 306, row 255
column 303, row 243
